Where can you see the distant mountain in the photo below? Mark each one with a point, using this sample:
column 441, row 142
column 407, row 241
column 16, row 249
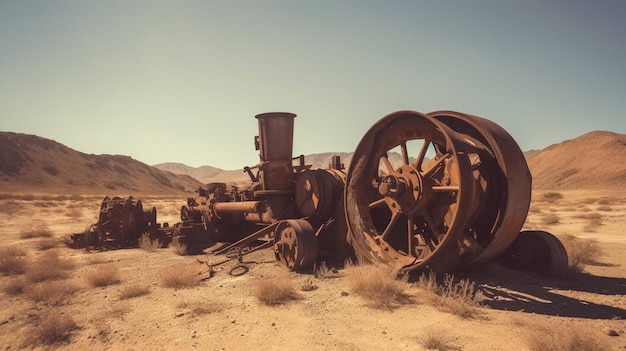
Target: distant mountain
column 202, row 173
column 593, row 160
column 33, row 164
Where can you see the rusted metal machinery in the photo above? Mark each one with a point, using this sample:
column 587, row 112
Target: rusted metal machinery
column 459, row 196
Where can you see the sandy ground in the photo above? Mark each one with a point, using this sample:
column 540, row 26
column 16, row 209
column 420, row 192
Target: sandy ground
column 331, row 317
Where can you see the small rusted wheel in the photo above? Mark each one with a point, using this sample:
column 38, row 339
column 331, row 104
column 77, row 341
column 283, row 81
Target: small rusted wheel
column 536, row 251
column 412, row 213
column 295, row 244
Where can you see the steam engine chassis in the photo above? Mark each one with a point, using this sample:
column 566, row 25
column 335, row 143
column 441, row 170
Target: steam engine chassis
column 459, row 196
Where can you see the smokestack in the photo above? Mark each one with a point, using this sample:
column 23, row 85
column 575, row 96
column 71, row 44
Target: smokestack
column 276, row 148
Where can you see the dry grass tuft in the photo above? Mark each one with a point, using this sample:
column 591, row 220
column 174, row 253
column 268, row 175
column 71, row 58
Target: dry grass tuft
column 178, row 278
column 556, row 337
column 594, row 220
column 550, row 218
column 47, row 244
column 551, row 196
column 51, row 293
column 580, row 252
column 322, row 271
column 40, row 231
column 379, row 285
column 50, row 266
column 179, row 249
column 308, row 285
column 130, row 291
column 436, row 339
column 275, row 290
column 147, row 244
column 103, row 275
column 12, row 260
column 461, row 298
column 14, row 287
column 52, row 330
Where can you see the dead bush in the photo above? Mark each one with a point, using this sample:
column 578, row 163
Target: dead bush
column 12, row 260
column 148, row 244
column 436, row 339
column 14, row 287
column 322, row 271
column 594, row 220
column 308, row 285
column 130, row 291
column 103, row 275
column 580, row 252
column 379, row 285
column 51, row 330
column 551, row 196
column 275, row 290
column 51, row 293
column 550, row 218
column 461, row 298
column 50, row 266
column 555, row 337
column 178, row 278
column 40, row 231
column 178, row 248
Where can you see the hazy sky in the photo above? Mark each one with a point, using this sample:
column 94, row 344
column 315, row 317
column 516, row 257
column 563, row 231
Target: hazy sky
column 181, row 81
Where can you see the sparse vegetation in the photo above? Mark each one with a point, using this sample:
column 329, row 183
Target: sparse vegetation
column 103, row 275
column 551, row 196
column 435, row 339
column 130, row 291
column 322, row 271
column 308, row 285
column 14, row 287
column 580, row 252
column 51, row 330
column 198, row 308
column 594, row 220
column 379, row 285
column 550, row 218
column 50, row 266
column 275, row 290
column 40, row 231
column 461, row 298
column 46, row 244
column 148, row 244
column 563, row 338
column 178, row 278
column 51, row 292
column 178, row 248
column 12, row 260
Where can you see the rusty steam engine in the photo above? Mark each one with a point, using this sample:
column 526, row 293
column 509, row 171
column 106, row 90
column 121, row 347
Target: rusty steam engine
column 458, row 196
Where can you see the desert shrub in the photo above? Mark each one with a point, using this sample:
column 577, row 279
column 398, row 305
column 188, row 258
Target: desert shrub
column 178, row 278
column 148, row 244
column 551, row 196
column 51, row 292
column 14, row 287
column 594, row 220
column 555, row 337
column 130, row 291
column 103, row 275
column 461, row 298
column 322, row 271
column 274, row 290
column 49, row 266
column 178, row 248
column 40, row 231
column 46, row 244
column 435, row 339
column 379, row 285
column 52, row 330
column 12, row 260
column 580, row 252
column 550, row 218
column 308, row 285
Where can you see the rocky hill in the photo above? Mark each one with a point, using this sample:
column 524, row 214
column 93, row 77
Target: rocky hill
column 31, row 164
column 591, row 161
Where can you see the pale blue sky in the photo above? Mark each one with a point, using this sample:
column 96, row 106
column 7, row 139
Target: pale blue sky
column 181, row 81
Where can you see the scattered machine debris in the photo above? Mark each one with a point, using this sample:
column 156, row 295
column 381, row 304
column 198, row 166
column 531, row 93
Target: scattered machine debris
column 459, row 196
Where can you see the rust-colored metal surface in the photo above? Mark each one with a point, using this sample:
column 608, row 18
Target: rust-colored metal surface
column 432, row 191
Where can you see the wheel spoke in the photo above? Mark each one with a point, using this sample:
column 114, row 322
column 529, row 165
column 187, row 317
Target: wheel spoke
column 431, row 236
column 422, row 155
column 377, row 203
column 388, row 164
column 436, row 166
column 445, row 189
column 411, row 233
column 405, row 154
column 392, row 222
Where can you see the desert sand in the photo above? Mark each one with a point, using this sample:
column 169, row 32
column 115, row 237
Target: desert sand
column 222, row 312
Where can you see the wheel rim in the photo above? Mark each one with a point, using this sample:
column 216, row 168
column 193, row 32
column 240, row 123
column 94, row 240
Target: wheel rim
column 413, row 215
column 506, row 185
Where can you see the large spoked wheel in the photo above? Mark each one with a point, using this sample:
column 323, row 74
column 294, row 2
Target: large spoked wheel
column 295, row 244
column 504, row 180
column 412, row 213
